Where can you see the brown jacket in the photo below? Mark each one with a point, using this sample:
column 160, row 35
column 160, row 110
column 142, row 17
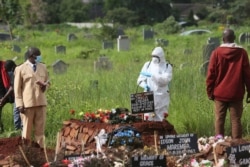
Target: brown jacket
column 27, row 92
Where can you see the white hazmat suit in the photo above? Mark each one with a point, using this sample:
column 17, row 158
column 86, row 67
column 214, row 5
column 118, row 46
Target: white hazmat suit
column 155, row 76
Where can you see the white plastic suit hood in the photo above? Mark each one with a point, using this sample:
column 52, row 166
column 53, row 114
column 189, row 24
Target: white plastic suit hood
column 158, row 51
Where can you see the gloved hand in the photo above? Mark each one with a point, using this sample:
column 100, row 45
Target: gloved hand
column 146, row 88
column 146, row 74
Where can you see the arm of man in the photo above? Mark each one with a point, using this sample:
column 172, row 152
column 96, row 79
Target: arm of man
column 211, row 76
column 18, row 87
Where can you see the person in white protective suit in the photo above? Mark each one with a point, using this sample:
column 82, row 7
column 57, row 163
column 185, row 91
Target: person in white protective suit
column 155, row 76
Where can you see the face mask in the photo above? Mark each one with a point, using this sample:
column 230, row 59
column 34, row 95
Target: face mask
column 38, row 59
column 155, row 60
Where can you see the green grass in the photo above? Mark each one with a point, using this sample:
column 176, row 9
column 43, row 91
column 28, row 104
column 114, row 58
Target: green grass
column 190, row 110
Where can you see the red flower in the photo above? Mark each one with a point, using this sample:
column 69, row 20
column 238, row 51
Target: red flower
column 165, row 115
column 66, row 161
column 46, row 164
column 92, row 115
column 72, row 111
column 122, row 115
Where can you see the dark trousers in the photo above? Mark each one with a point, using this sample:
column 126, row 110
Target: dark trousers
column 235, row 110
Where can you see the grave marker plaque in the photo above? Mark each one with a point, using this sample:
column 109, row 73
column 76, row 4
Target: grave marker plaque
column 180, row 144
column 152, row 160
column 142, row 102
column 239, row 155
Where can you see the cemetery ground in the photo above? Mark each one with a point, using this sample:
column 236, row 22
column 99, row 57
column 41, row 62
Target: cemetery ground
column 88, row 73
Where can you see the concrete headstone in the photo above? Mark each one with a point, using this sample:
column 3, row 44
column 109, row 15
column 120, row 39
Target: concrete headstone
column 60, row 49
column 102, row 63
column 59, row 67
column 244, row 38
column 214, row 40
column 161, row 42
column 4, row 37
column 16, row 48
column 107, row 45
column 72, row 37
column 123, row 43
column 207, row 51
column 120, row 31
column 148, row 34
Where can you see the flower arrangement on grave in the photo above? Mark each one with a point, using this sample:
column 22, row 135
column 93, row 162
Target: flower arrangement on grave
column 113, row 116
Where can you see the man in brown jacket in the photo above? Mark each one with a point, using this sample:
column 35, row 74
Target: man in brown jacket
column 30, row 82
column 228, row 79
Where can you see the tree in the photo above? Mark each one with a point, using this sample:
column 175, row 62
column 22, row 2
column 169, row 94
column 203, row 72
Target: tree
column 147, row 12
column 10, row 13
column 121, row 16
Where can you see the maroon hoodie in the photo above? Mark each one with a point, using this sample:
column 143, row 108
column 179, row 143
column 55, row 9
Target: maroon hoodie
column 228, row 73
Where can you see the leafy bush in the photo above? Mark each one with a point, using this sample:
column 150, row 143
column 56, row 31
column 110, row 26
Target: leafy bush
column 169, row 26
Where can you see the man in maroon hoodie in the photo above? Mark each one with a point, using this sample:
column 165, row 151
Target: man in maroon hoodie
column 227, row 78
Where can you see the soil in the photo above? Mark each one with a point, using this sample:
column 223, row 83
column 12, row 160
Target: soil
column 8, row 146
column 14, row 149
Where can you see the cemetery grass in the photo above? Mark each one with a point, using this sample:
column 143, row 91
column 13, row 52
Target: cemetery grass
column 190, row 110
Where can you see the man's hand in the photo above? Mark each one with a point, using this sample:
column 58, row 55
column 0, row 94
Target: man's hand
column 248, row 98
column 21, row 109
column 42, row 85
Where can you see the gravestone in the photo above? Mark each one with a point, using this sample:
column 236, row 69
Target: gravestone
column 148, row 34
column 244, row 38
column 207, row 51
column 214, row 40
column 71, row 37
column 4, row 37
column 212, row 44
column 161, row 42
column 187, row 51
column 59, row 67
column 60, row 49
column 204, row 67
column 102, row 63
column 107, row 45
column 120, row 31
column 16, row 48
column 123, row 43
column 180, row 144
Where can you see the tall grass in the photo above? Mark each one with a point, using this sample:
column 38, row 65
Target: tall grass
column 190, row 110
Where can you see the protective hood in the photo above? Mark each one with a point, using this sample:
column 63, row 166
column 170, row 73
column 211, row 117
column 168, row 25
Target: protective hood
column 158, row 51
column 230, row 51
